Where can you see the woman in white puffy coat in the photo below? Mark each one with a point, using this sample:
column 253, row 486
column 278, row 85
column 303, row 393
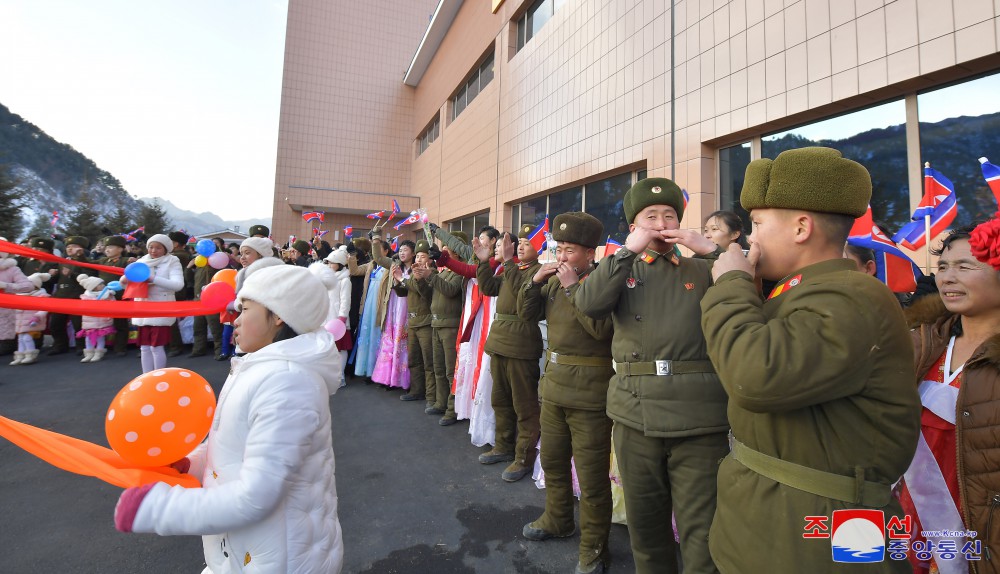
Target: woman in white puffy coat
column 269, row 497
column 334, row 274
column 166, row 277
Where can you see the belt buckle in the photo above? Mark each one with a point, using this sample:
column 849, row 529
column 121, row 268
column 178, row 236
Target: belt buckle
column 554, row 357
column 434, row 316
column 413, row 314
column 663, row 368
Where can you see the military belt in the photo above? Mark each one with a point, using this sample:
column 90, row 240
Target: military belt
column 853, row 489
column 663, row 368
column 506, row 317
column 576, row 360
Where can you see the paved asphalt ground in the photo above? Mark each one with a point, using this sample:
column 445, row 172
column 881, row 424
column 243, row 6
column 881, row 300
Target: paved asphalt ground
column 413, row 498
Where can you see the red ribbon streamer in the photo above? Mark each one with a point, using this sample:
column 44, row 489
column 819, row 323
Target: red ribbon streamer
column 109, row 308
column 15, row 249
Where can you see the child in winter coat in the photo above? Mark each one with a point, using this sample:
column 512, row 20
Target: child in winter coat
column 30, row 323
column 268, row 499
column 94, row 329
column 12, row 281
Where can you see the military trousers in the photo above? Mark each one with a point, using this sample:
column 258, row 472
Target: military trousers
column 420, row 359
column 515, row 404
column 584, row 437
column 444, row 367
column 176, row 341
column 121, row 335
column 57, row 328
column 661, row 476
column 203, row 323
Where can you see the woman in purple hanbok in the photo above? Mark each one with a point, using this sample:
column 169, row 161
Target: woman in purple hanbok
column 392, row 366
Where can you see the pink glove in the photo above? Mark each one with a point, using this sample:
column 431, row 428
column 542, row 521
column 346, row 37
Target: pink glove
column 128, row 506
column 182, row 466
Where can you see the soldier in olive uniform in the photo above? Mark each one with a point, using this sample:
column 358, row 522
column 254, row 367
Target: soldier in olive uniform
column 205, row 323
column 824, row 412
column 574, row 393
column 514, row 346
column 179, row 240
column 446, row 312
column 32, row 266
column 114, row 245
column 665, row 398
column 68, row 288
column 419, row 341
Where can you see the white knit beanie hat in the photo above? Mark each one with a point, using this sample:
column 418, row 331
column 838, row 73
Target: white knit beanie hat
column 338, row 255
column 290, row 292
column 162, row 239
column 261, row 245
column 38, row 278
column 90, row 283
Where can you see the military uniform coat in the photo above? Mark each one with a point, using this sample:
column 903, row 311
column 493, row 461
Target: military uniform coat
column 510, row 338
column 820, row 375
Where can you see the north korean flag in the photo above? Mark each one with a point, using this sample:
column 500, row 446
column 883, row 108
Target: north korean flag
column 308, row 216
column 892, row 266
column 991, row 174
column 610, row 246
column 939, row 202
column 537, row 235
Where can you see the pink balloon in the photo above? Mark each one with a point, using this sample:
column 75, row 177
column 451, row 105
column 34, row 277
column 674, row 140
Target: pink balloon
column 217, row 295
column 336, row 328
column 218, row 260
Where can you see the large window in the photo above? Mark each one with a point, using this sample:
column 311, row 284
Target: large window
column 733, row 163
column 481, row 77
column 601, row 198
column 959, row 124
column 430, row 133
column 534, row 18
column 470, row 225
column 874, row 137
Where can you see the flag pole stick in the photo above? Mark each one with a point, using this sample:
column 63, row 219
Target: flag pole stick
column 927, row 241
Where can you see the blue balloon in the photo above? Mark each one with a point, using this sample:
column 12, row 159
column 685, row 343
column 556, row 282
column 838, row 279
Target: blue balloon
column 115, row 286
column 205, row 247
column 137, row 272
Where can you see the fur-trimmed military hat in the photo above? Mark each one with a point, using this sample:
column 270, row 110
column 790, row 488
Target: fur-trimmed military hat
column 422, row 246
column 362, row 244
column 261, row 230
column 653, row 191
column 524, row 230
column 815, row 179
column 302, row 246
column 461, row 236
column 78, row 240
column 578, row 227
column 115, row 240
column 42, row 243
column 179, row 237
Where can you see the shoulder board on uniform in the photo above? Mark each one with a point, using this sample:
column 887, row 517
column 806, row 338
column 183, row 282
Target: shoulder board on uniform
column 647, row 258
column 523, row 266
column 784, row 287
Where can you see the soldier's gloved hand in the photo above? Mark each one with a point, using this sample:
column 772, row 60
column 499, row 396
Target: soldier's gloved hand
column 434, row 228
column 352, row 249
column 433, row 252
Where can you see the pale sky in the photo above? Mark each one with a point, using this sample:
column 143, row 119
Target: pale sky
column 177, row 99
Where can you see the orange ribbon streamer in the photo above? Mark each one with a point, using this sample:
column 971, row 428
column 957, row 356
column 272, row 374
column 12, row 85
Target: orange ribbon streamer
column 88, row 459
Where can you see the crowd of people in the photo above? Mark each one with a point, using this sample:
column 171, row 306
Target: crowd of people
column 740, row 391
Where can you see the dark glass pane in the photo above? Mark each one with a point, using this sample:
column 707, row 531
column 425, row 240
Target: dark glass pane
column 515, row 217
column 486, row 72
column 952, row 142
column 522, row 27
column 641, row 175
column 604, row 201
column 532, row 213
column 467, row 225
column 733, row 163
column 460, row 102
column 565, row 201
column 480, row 221
column 874, row 137
column 472, row 87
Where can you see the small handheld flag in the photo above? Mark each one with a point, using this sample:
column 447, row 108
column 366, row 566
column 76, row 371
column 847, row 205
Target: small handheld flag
column 308, row 216
column 55, row 218
column 991, row 174
column 376, row 215
column 687, row 198
column 348, row 231
column 939, row 203
column 395, row 243
column 610, row 246
column 319, row 232
column 413, row 218
column 537, row 235
column 892, row 266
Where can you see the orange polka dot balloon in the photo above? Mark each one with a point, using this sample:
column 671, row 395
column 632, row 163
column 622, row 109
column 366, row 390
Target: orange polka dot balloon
column 160, row 416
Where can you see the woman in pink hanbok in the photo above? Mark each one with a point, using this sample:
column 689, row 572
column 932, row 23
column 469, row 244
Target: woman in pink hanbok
column 391, row 366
